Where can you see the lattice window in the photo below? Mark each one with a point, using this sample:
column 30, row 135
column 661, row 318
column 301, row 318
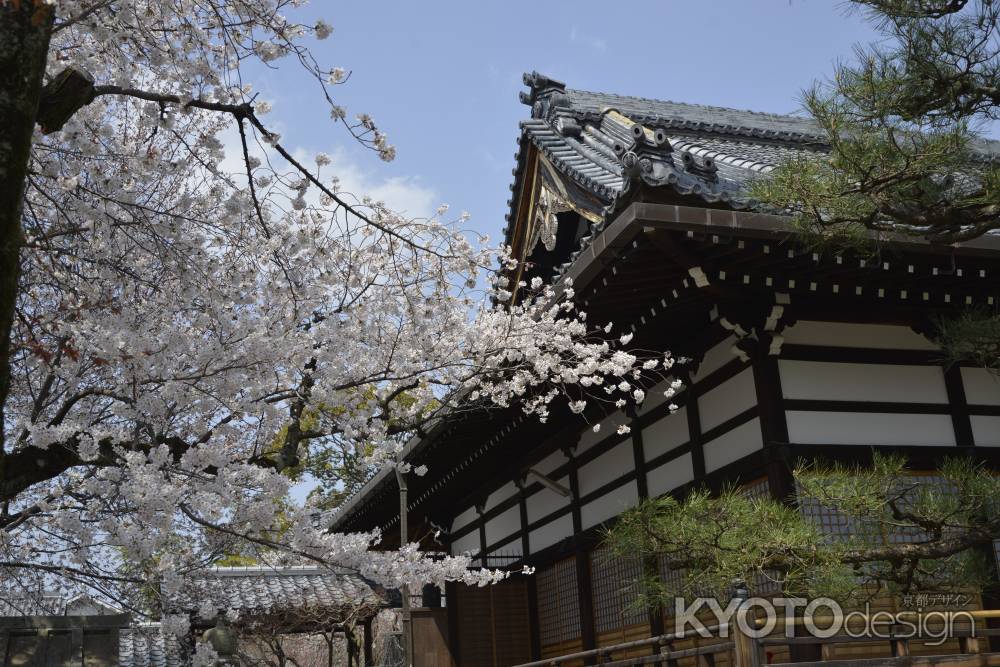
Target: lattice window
column 841, row 528
column 757, row 489
column 558, row 603
column 616, row 585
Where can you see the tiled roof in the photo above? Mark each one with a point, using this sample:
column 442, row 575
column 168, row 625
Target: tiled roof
column 148, row 646
column 263, row 590
column 19, row 604
column 613, row 145
column 22, row 603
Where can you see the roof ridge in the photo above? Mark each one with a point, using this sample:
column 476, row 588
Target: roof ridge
column 286, row 570
column 693, row 105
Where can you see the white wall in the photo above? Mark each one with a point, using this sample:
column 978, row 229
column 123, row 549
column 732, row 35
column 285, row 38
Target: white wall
column 655, row 397
column 608, row 427
column 508, row 490
column 550, row 462
column 611, row 504
column 732, row 445
column 503, row 525
column 546, row 501
column 608, row 466
column 550, row 533
column 986, row 430
column 847, row 334
column 981, row 386
column 715, row 358
column 466, row 543
column 727, row 400
column 670, row 475
column 835, row 381
column 464, row 519
column 665, row 434
column 857, row 428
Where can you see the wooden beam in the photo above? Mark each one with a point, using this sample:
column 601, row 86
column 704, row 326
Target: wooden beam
column 959, row 406
column 369, row 654
column 694, row 428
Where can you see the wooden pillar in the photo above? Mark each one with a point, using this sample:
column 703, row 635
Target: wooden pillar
column 650, row 565
column 451, row 603
column 588, row 633
column 770, row 399
column 746, row 649
column 584, row 589
column 958, row 406
column 773, row 426
column 638, row 455
column 368, row 641
column 533, row 620
column 532, row 587
column 694, row 426
column 480, row 510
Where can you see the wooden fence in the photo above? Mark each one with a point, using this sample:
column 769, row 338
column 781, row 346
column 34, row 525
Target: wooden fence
column 732, row 647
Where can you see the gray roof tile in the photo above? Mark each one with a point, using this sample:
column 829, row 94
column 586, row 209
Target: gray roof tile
column 148, row 646
column 574, row 130
column 261, row 590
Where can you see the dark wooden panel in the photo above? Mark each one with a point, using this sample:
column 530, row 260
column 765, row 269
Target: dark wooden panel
column 512, row 635
column 59, row 650
column 430, row 638
column 475, row 626
column 100, row 649
column 25, row 651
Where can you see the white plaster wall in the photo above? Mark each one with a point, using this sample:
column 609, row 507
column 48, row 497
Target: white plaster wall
column 546, row 501
column 504, row 524
column 670, row 475
column 508, row 490
column 835, row 381
column 857, row 428
column 735, row 444
column 466, row 543
column 847, row 334
column 550, row 533
column 608, row 466
column 715, row 358
column 609, row 505
column 727, row 400
column 655, row 397
column 981, row 386
column 464, row 519
column 608, row 427
column 665, row 434
column 986, row 430
column 512, row 549
column 550, row 463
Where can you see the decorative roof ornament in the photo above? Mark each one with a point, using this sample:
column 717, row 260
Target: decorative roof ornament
column 546, row 222
column 546, row 94
column 704, row 167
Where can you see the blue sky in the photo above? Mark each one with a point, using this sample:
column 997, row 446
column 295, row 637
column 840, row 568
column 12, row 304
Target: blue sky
column 441, row 78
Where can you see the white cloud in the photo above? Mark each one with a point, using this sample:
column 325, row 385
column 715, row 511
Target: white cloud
column 405, row 195
column 580, row 37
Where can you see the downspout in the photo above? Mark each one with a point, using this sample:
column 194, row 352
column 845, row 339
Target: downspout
column 404, row 590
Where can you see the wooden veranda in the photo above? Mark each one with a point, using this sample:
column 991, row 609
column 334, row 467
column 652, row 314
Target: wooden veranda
column 729, row 646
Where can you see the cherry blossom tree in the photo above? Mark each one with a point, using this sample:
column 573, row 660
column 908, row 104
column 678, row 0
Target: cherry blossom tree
column 163, row 318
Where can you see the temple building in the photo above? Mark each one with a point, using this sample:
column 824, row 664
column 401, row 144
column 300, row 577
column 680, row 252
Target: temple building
column 793, row 354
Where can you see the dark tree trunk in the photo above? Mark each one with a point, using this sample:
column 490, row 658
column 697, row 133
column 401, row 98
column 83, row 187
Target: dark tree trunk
column 25, row 28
